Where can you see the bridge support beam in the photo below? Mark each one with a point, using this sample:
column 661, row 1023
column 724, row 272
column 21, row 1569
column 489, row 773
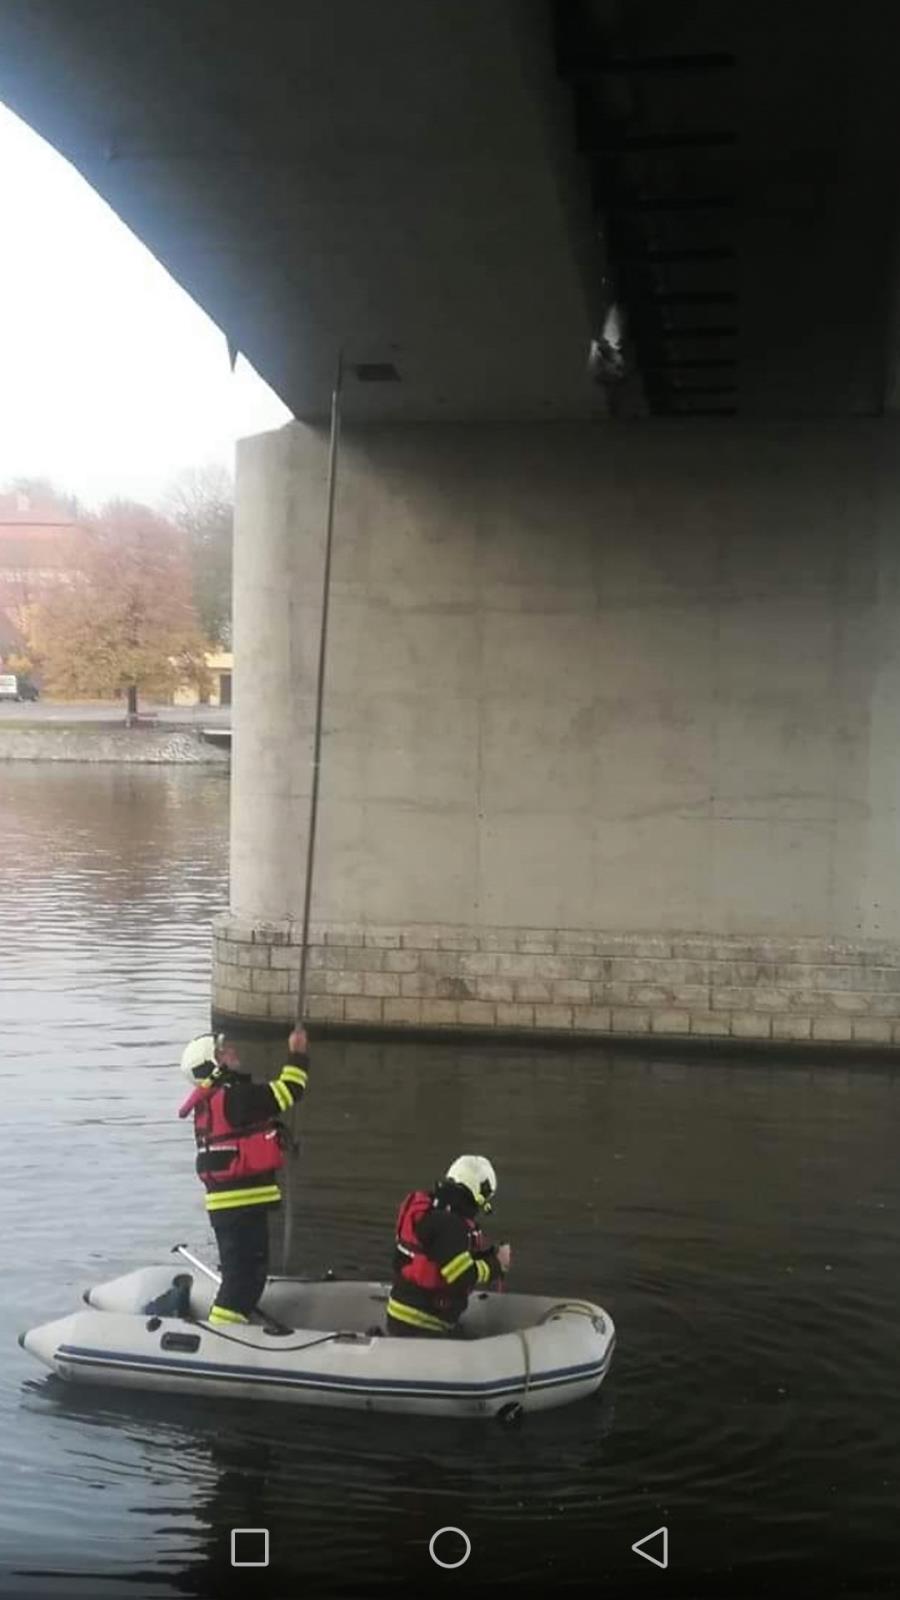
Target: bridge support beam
column 610, row 738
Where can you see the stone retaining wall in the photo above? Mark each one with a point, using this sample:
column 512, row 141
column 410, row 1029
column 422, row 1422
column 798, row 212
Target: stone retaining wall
column 153, row 746
column 556, row 981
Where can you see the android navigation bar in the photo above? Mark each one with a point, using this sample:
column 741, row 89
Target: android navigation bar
column 661, row 1557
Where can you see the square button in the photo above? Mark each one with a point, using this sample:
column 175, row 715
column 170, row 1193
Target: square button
column 249, row 1547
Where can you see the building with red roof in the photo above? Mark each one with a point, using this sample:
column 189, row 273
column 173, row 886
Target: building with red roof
column 40, row 548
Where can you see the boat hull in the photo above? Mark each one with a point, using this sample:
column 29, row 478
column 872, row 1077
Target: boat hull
column 521, row 1351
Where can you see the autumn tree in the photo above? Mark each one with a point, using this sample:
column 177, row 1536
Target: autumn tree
column 201, row 503
column 128, row 624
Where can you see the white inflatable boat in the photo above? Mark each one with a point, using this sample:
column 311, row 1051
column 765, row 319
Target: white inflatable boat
column 325, row 1345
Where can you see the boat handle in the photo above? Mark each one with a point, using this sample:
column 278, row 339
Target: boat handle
column 186, row 1342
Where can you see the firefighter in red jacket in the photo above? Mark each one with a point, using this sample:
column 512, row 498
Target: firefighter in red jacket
column 239, row 1152
column 440, row 1254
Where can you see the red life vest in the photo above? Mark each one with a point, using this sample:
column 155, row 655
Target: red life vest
column 247, row 1152
column 418, row 1268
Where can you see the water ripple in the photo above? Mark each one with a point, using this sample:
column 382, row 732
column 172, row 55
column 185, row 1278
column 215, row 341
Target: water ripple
column 741, row 1223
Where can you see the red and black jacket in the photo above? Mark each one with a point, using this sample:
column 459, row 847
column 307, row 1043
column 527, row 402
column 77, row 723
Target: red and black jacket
column 239, row 1135
column 440, row 1256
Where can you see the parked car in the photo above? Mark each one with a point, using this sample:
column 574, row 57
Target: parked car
column 13, row 687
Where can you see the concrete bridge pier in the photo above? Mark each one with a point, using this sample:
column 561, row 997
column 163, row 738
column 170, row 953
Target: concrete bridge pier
column 610, row 729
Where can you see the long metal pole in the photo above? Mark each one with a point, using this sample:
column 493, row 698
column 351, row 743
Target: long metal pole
column 316, row 769
column 320, row 679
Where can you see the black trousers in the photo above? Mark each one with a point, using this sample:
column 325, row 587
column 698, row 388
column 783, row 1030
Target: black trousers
column 242, row 1234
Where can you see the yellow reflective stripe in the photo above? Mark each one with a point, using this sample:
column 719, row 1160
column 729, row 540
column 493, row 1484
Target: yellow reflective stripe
column 282, row 1094
column 221, row 1314
column 454, row 1269
column 415, row 1318
column 484, row 1271
column 266, row 1194
column 295, row 1075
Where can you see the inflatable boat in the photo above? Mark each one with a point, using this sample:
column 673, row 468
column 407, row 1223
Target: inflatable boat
column 323, row 1344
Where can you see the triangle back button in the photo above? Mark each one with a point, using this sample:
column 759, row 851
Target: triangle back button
column 661, row 1559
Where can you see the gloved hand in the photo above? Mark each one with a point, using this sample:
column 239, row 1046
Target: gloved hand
column 298, row 1044
column 504, row 1257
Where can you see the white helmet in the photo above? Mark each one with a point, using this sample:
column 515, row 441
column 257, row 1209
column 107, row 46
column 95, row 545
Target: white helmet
column 476, row 1174
column 199, row 1057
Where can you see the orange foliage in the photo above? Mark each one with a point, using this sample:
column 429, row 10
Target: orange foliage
column 127, row 621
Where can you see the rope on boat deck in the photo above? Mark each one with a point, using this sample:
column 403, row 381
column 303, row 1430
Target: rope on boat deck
column 286, row 1349
column 526, row 1352
column 582, row 1308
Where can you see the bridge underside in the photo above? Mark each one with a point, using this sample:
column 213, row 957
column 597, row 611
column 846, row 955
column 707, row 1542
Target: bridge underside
column 460, row 189
column 610, row 722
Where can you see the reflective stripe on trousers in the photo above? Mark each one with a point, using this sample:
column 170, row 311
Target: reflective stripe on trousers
column 415, row 1318
column 225, row 1199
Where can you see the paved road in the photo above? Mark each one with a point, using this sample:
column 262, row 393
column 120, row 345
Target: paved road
column 111, row 711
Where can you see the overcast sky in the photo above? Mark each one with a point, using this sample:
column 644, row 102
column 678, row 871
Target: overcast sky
column 112, row 379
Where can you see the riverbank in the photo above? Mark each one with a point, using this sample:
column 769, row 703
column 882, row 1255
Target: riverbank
column 102, row 742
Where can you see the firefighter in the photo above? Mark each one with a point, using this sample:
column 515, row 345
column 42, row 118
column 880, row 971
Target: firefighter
column 239, row 1152
column 440, row 1254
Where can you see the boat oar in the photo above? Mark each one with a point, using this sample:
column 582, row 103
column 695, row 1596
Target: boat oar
column 182, row 1250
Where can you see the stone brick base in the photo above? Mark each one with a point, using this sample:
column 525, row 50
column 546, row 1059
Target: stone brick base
column 550, row 980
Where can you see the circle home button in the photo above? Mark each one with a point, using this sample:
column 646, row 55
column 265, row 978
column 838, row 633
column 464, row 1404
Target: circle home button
column 450, row 1538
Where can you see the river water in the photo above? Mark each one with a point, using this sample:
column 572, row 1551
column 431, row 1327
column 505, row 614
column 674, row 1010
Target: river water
column 740, row 1220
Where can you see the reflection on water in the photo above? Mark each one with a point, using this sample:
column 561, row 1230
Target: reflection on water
column 741, row 1223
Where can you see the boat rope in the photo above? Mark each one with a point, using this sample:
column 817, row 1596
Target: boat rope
column 582, row 1308
column 526, row 1352
column 283, row 1349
